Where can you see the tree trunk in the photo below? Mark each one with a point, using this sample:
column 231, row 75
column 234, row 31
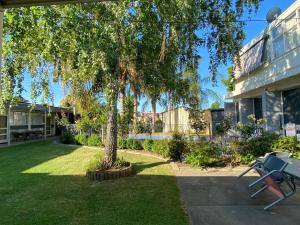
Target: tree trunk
column 135, row 113
column 153, row 104
column 111, row 131
column 122, row 98
column 112, row 127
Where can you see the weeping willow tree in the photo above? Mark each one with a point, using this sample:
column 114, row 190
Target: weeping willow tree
column 89, row 47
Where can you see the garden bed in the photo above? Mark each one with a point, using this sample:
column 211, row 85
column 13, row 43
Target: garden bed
column 109, row 174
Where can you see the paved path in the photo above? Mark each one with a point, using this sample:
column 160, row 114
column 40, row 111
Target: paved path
column 216, row 197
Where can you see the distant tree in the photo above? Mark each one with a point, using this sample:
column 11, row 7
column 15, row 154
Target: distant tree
column 215, row 105
column 197, row 121
column 230, row 81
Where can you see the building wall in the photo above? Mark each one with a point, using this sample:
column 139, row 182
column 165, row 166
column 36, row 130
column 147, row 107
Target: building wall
column 176, row 119
column 279, row 70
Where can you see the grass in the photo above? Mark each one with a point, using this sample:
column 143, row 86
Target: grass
column 44, row 183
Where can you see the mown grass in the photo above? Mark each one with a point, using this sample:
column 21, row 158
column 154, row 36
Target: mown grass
column 44, row 183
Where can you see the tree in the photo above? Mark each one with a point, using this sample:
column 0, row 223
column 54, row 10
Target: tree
column 84, row 46
column 215, row 105
column 230, row 81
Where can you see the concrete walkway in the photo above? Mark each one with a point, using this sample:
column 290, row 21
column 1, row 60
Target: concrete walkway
column 216, row 197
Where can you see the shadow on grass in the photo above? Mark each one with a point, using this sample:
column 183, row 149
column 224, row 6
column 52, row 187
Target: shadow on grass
column 49, row 198
column 34, row 191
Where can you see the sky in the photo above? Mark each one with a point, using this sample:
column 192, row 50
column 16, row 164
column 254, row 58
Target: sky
column 252, row 29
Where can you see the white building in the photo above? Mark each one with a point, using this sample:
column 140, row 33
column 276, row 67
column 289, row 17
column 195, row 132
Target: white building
column 268, row 79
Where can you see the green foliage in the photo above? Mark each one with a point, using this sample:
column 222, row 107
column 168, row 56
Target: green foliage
column 248, row 129
column 215, row 105
column 224, row 126
column 230, row 81
column 125, row 121
column 246, row 151
column 159, row 125
column 134, row 144
column 121, row 163
column 94, row 140
column 161, row 147
column 81, row 139
column 95, row 163
column 197, row 121
column 286, row 144
column 144, row 126
column 147, row 144
column 122, row 143
column 88, row 47
column 67, row 138
column 177, row 146
column 204, row 154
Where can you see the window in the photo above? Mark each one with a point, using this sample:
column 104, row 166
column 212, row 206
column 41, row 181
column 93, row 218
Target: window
column 278, row 40
column 37, row 119
column 292, row 38
column 285, row 36
column 18, row 118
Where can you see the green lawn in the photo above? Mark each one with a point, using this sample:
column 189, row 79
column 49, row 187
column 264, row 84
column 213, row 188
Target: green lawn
column 43, row 183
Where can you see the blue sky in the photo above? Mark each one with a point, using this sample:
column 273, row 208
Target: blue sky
column 252, row 29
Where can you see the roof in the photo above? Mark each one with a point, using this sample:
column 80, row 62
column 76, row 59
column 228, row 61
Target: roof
column 38, row 107
column 20, row 3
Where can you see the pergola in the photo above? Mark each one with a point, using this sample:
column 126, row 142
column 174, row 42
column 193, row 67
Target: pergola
column 8, row 4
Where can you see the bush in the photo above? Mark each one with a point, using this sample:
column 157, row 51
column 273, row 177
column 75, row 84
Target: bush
column 67, row 138
column 249, row 150
column 94, row 140
column 134, row 144
column 95, row 163
column 177, row 146
column 147, row 144
column 81, row 139
column 286, row 144
column 122, row 143
column 161, row 147
column 204, row 154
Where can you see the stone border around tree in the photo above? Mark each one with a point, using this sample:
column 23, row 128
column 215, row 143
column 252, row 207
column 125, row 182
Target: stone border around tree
column 109, row 175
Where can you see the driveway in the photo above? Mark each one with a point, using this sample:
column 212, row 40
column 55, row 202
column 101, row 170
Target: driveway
column 216, row 197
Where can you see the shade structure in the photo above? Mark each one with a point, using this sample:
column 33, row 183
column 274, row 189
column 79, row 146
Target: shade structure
column 250, row 59
column 6, row 4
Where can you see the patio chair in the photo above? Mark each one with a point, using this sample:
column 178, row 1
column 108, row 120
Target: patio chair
column 273, row 176
column 259, row 164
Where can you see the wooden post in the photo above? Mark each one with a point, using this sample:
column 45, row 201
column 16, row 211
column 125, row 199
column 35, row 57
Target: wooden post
column 45, row 126
column 8, row 125
column 29, row 120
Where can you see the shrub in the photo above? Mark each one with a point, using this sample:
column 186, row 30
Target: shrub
column 81, row 139
column 161, row 147
column 249, row 150
column 119, row 163
column 67, row 138
column 94, row 140
column 147, row 144
column 204, row 154
column 159, row 125
column 122, row 143
column 286, row 144
column 134, row 144
column 95, row 163
column 177, row 146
